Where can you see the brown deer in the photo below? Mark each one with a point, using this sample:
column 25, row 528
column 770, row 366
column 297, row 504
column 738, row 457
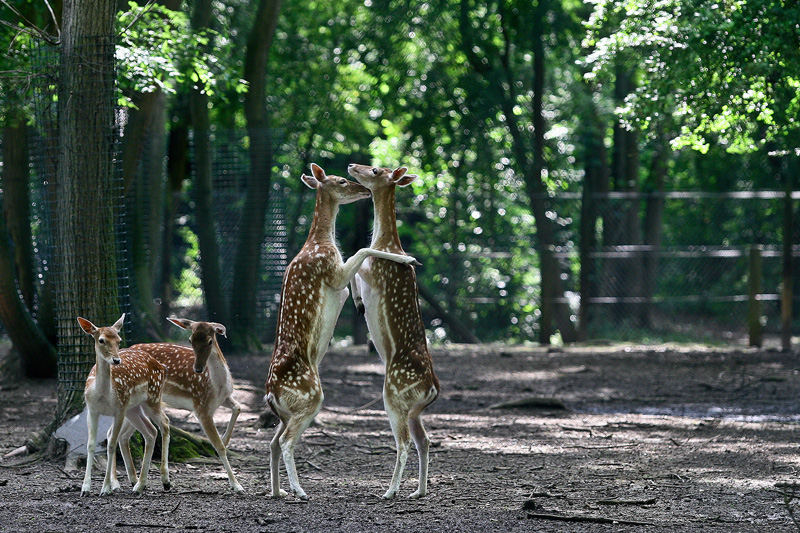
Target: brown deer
column 127, row 385
column 313, row 293
column 387, row 294
column 198, row 380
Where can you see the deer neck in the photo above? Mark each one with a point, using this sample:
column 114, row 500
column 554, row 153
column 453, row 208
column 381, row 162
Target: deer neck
column 216, row 364
column 323, row 228
column 102, row 375
column 384, row 231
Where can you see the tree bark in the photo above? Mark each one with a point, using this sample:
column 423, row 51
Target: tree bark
column 210, row 272
column 85, row 243
column 247, row 265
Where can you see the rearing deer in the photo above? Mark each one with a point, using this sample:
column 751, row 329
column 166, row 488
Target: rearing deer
column 313, row 293
column 387, row 293
column 126, row 384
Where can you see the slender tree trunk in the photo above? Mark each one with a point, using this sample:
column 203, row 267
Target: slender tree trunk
column 247, row 264
column 85, row 243
column 143, row 174
column 16, row 206
column 654, row 210
column 177, row 172
column 596, row 172
column 210, row 271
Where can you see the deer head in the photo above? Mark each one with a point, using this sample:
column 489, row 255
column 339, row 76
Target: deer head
column 377, row 177
column 106, row 339
column 341, row 190
column 203, row 339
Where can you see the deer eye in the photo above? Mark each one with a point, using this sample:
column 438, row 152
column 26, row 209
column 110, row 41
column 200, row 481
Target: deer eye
column 374, row 170
column 342, row 181
column 210, row 341
column 101, row 340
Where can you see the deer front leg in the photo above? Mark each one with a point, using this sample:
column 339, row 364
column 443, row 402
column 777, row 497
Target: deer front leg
column 207, row 422
column 352, row 265
column 235, row 408
column 356, row 292
column 125, row 448
column 275, row 462
column 91, row 443
column 111, row 452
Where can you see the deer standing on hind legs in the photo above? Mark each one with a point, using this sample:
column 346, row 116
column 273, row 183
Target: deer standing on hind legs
column 387, row 294
column 313, row 293
column 127, row 385
column 198, row 380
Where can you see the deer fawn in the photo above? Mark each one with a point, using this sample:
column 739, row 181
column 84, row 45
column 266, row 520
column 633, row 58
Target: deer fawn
column 198, row 380
column 387, row 293
column 127, row 385
column 313, row 293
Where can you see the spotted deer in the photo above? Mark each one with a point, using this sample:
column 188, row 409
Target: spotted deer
column 313, row 293
column 386, row 293
column 127, row 385
column 198, row 380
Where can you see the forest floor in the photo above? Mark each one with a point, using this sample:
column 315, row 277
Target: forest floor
column 672, row 438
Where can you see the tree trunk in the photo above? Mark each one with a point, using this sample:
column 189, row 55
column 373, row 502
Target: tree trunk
column 143, row 174
column 16, row 206
column 596, row 172
column 210, row 272
column 37, row 355
column 627, row 271
column 86, row 198
column 654, row 210
column 177, row 173
column 247, row 264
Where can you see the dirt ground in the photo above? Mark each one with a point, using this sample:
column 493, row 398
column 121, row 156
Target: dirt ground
column 648, row 439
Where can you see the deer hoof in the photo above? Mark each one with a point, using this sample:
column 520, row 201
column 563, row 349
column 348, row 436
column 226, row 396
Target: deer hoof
column 281, row 494
column 417, row 494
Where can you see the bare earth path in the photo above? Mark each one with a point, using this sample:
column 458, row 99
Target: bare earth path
column 669, row 439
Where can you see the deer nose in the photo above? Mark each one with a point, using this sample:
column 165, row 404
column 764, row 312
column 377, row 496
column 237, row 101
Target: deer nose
column 116, row 360
column 198, row 370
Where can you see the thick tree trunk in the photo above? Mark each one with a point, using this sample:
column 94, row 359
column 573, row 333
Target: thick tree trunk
column 247, row 264
column 85, row 244
column 210, row 272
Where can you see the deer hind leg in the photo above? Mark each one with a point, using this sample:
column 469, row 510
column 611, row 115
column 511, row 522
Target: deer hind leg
column 422, row 444
column 125, row 448
column 207, row 422
column 157, row 413
column 139, row 420
column 295, row 426
column 398, row 419
column 235, row 408
column 275, row 462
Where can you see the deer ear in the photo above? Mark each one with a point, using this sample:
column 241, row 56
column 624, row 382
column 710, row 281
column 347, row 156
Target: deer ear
column 181, row 322
column 398, row 173
column 318, row 172
column 405, row 180
column 118, row 324
column 310, row 181
column 219, row 329
column 87, row 326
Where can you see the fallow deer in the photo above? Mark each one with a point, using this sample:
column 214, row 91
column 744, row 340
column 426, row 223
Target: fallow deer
column 127, row 385
column 313, row 293
column 198, row 380
column 387, row 294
